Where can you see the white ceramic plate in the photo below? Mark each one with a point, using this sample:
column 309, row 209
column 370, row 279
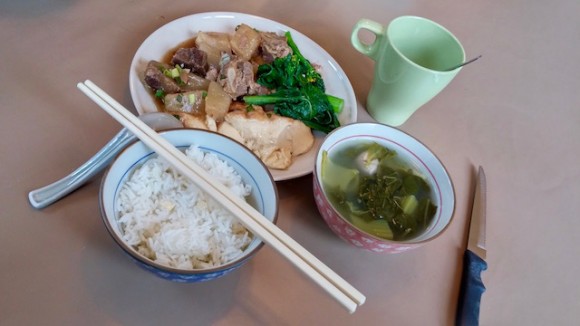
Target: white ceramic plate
column 172, row 34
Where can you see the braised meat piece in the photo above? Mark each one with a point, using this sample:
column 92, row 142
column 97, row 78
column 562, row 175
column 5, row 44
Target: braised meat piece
column 237, row 78
column 156, row 79
column 191, row 58
column 274, row 46
column 157, row 76
column 212, row 73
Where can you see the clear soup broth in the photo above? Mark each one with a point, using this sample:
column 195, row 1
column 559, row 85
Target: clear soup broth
column 377, row 191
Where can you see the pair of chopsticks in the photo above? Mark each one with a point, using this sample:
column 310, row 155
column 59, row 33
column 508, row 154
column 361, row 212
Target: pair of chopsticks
column 259, row 225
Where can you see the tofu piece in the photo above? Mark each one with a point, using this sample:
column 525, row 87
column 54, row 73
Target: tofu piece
column 192, row 121
column 276, row 140
column 226, row 129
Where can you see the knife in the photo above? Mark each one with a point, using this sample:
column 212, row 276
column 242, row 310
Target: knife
column 474, row 259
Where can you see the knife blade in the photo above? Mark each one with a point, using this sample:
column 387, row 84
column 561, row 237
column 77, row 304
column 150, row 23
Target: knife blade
column 474, row 262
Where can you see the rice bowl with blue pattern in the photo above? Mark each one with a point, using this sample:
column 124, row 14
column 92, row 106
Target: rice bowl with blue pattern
column 171, row 228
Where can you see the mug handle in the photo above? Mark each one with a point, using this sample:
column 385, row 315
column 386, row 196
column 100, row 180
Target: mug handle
column 372, row 49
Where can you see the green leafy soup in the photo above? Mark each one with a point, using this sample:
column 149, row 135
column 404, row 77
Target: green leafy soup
column 377, row 191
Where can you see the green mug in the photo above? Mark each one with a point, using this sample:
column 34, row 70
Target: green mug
column 412, row 57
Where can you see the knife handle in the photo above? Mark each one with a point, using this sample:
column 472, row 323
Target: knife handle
column 471, row 290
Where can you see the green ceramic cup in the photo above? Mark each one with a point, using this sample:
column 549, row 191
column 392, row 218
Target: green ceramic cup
column 412, row 56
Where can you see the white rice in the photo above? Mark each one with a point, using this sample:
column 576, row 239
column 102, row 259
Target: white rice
column 168, row 219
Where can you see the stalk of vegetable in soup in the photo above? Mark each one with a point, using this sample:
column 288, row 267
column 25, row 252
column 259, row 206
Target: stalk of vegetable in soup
column 376, row 191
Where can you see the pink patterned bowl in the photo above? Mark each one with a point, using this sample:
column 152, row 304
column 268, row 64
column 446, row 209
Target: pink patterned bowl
column 411, row 151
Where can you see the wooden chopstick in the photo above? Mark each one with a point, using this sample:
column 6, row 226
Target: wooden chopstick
column 325, row 277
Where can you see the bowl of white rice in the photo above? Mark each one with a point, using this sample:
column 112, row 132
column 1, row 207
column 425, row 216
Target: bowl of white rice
column 171, row 227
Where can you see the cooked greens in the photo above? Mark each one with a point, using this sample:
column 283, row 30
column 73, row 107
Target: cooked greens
column 377, row 192
column 298, row 91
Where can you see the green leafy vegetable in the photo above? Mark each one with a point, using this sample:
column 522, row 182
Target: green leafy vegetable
column 159, row 94
column 298, row 91
column 174, row 73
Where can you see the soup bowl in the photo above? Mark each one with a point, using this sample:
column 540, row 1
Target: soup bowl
column 253, row 172
column 413, row 154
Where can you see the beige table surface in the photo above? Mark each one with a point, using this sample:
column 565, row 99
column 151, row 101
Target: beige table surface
column 516, row 112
